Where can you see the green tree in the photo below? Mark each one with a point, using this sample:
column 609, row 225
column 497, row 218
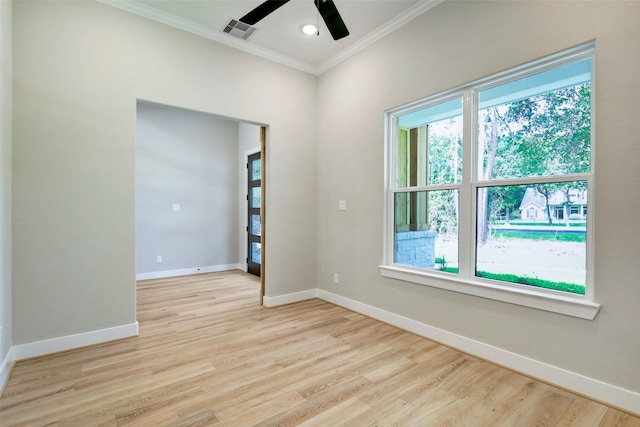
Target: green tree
column 444, row 167
column 543, row 135
column 553, row 131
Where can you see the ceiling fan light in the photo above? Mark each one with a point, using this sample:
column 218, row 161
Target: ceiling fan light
column 310, row 30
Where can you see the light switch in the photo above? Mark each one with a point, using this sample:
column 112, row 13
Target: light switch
column 175, row 207
column 342, row 205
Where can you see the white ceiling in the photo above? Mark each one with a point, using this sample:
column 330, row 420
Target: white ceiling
column 278, row 36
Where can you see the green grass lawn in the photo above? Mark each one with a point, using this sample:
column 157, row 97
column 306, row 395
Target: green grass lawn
column 532, row 281
column 534, row 235
column 523, row 280
column 542, row 224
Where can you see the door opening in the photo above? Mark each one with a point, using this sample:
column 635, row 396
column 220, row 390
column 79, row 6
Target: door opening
column 156, row 189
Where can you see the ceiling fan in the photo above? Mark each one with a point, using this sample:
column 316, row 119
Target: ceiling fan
column 326, row 8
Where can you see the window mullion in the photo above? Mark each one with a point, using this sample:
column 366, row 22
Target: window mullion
column 466, row 225
column 437, row 187
column 531, row 180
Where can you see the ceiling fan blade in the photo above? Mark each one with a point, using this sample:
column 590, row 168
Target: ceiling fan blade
column 261, row 11
column 332, row 18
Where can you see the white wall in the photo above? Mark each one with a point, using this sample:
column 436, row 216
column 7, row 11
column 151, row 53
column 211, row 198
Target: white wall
column 5, row 185
column 189, row 159
column 452, row 44
column 79, row 69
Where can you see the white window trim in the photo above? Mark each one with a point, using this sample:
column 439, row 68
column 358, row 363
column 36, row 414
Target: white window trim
column 581, row 306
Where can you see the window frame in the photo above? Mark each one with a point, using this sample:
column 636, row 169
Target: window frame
column 581, row 306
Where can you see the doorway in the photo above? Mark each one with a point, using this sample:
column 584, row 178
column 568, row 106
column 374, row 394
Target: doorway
column 190, row 192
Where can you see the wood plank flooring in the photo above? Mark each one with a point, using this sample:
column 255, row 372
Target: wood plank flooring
column 209, row 355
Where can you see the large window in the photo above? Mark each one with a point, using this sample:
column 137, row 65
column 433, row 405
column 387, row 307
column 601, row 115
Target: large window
column 488, row 185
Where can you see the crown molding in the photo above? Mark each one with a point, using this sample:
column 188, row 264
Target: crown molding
column 149, row 12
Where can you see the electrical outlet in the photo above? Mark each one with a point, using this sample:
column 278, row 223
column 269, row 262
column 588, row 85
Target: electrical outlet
column 336, row 278
column 159, row 259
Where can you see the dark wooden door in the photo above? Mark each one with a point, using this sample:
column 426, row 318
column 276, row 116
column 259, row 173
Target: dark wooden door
column 254, row 219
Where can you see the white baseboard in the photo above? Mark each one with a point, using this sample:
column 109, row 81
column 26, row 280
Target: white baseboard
column 289, row 298
column 5, row 368
column 187, row 271
column 69, row 342
column 618, row 397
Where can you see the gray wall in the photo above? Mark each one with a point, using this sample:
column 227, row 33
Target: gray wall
column 5, row 180
column 79, row 69
column 189, row 159
column 452, row 44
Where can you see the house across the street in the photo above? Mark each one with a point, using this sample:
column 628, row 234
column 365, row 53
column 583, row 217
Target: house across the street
column 562, row 206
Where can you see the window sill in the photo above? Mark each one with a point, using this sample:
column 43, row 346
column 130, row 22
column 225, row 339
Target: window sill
column 570, row 306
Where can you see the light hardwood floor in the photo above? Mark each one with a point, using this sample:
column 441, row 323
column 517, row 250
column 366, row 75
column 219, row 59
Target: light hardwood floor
column 209, row 354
